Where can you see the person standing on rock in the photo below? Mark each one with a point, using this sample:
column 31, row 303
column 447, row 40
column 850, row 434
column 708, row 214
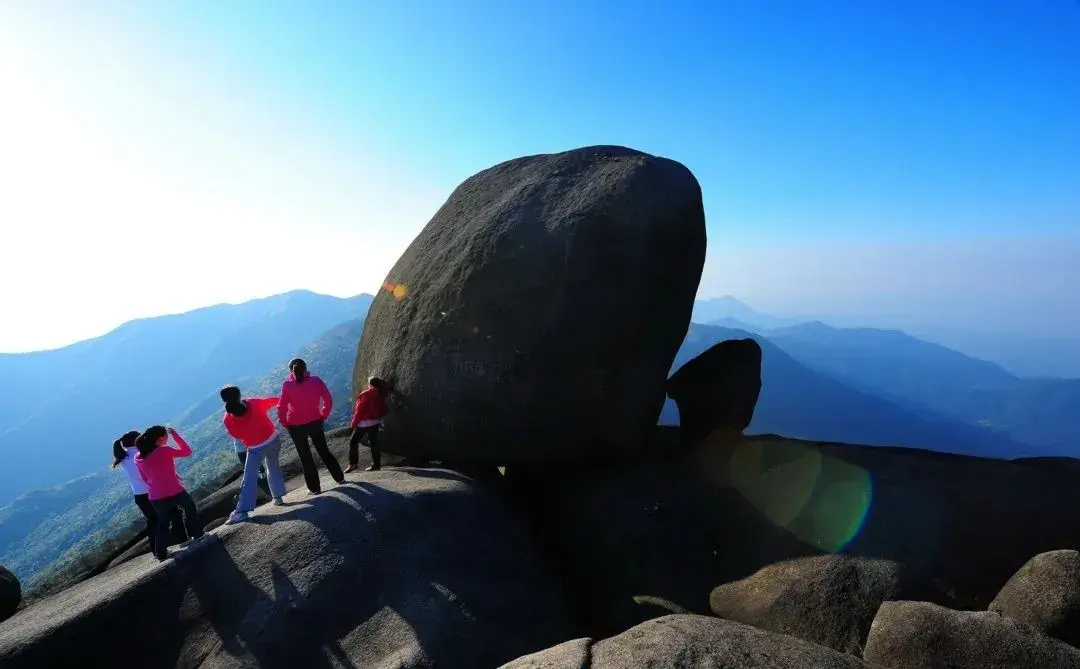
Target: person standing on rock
column 156, row 461
column 247, row 421
column 124, row 453
column 304, row 407
column 368, row 415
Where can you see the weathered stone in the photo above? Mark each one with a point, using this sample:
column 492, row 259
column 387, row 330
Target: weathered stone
column 1045, row 593
column 917, row 635
column 689, row 642
column 537, row 314
column 828, row 600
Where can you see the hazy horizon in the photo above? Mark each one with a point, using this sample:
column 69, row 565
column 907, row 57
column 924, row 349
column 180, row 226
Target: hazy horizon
column 910, row 167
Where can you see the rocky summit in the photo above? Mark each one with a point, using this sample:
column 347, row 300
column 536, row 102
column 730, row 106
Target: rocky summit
column 531, row 327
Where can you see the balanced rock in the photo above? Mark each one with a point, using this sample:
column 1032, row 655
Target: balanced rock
column 916, row 635
column 689, row 642
column 1045, row 593
column 10, row 593
column 718, row 389
column 537, row 314
column 829, row 600
column 411, row 568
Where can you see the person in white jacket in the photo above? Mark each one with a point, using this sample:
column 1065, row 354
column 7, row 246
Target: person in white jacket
column 124, row 457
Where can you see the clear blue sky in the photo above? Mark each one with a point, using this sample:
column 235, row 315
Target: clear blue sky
column 917, row 158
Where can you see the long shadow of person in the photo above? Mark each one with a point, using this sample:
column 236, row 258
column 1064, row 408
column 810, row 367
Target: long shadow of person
column 366, row 575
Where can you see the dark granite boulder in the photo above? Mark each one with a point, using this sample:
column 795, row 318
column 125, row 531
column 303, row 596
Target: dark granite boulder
column 10, row 593
column 536, row 316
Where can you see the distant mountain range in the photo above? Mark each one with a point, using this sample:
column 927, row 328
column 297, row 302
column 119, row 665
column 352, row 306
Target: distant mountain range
column 70, row 403
column 1025, row 356
column 863, row 385
column 799, row 401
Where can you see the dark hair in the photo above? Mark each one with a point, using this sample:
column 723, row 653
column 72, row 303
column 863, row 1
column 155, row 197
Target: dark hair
column 147, row 441
column 120, row 446
column 378, row 384
column 293, row 364
column 233, row 404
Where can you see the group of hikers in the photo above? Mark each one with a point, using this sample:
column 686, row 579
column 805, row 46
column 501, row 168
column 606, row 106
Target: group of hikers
column 148, row 460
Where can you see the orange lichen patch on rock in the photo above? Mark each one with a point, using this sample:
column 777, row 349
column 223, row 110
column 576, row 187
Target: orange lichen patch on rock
column 398, row 290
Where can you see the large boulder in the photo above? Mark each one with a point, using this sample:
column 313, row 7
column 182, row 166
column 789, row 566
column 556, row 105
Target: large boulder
column 828, row 600
column 1045, row 593
column 10, row 593
column 718, row 389
column 689, row 642
column 917, row 635
column 537, row 314
column 408, row 568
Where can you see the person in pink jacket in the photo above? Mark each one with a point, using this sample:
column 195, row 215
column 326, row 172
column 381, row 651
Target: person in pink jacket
column 303, row 409
column 156, row 462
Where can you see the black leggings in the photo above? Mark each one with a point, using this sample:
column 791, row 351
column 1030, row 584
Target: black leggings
column 166, row 507
column 314, row 431
column 176, row 519
column 372, row 434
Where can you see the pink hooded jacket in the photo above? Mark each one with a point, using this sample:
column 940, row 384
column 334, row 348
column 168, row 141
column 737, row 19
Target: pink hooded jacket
column 303, row 403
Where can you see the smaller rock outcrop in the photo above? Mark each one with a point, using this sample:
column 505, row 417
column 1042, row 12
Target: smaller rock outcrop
column 916, row 635
column 10, row 593
column 687, row 642
column 829, row 600
column 718, row 389
column 1045, row 593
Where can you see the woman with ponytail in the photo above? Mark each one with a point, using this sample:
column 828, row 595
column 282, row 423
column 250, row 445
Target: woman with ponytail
column 124, row 452
column 248, row 422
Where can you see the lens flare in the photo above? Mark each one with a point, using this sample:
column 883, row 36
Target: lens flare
column 398, row 290
column 820, row 499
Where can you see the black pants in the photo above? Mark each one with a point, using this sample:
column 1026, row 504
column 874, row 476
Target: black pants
column 176, row 519
column 166, row 507
column 263, row 484
column 314, row 431
column 372, row 434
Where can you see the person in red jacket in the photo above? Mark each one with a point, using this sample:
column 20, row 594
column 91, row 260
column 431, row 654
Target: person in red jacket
column 248, row 422
column 368, row 415
column 304, row 407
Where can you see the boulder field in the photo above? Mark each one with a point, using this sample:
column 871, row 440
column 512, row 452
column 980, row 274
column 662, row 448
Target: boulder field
column 531, row 327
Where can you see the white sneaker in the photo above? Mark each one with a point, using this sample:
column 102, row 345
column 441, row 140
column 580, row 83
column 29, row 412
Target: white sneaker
column 236, row 517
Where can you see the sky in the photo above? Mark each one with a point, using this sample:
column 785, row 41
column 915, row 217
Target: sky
column 914, row 160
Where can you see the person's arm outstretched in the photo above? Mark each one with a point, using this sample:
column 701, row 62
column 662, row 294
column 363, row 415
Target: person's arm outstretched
column 264, row 403
column 182, row 450
column 327, row 400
